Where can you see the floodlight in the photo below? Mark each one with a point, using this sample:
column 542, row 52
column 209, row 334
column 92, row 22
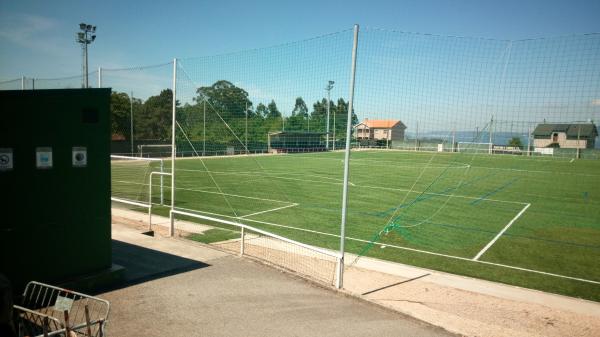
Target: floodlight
column 93, row 37
column 82, row 26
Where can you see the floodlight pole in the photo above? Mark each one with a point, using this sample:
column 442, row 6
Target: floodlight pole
column 328, row 88
column 340, row 267
column 173, row 150
column 84, row 40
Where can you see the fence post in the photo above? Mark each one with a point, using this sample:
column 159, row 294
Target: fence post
column 173, row 151
column 340, row 267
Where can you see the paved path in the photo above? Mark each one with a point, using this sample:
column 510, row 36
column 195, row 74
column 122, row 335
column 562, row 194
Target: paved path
column 180, row 288
column 463, row 305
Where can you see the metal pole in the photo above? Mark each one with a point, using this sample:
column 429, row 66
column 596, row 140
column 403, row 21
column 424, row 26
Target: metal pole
column 529, row 141
column 578, row 135
column 242, row 237
column 453, row 138
column 162, row 195
column 417, row 137
column 33, row 84
column 334, row 129
column 246, row 128
column 204, row 130
column 86, row 62
column 491, row 136
column 340, row 270
column 131, row 121
column 328, row 104
column 99, row 77
column 22, row 82
column 173, row 152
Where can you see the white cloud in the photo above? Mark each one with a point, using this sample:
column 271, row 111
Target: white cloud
column 596, row 102
column 34, row 32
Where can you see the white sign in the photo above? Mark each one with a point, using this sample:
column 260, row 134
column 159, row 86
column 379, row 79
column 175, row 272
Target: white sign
column 63, row 303
column 6, row 159
column 43, row 157
column 79, row 157
column 545, row 150
column 440, row 147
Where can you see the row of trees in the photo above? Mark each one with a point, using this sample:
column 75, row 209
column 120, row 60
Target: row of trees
column 224, row 113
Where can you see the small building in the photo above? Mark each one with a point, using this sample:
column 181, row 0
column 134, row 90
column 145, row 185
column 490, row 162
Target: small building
column 564, row 135
column 380, row 129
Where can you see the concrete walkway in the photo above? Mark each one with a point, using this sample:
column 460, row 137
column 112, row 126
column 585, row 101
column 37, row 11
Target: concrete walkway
column 180, row 288
column 462, row 305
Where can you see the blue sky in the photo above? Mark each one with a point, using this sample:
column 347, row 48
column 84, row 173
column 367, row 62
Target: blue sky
column 37, row 38
column 437, row 82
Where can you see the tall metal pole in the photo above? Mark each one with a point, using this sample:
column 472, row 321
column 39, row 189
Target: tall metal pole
column 173, row 150
column 529, row 140
column 328, row 88
column 204, row 130
column 131, row 121
column 86, row 63
column 340, row 269
column 246, row 127
column 99, row 77
column 491, row 135
column 22, row 82
column 333, row 129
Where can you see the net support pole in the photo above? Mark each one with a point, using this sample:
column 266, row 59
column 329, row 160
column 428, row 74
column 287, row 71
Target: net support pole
column 340, row 266
column 99, row 77
column 491, row 134
column 131, row 122
column 529, row 141
column 22, row 82
column 162, row 170
column 173, row 150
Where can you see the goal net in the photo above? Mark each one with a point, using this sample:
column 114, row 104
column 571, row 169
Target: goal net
column 154, row 150
column 472, row 147
column 130, row 179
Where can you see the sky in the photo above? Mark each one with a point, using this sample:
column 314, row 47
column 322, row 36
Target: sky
column 438, row 81
column 37, row 38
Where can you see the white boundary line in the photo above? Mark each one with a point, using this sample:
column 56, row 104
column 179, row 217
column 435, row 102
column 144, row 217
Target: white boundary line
column 476, row 258
column 129, row 202
column 410, row 249
column 269, row 210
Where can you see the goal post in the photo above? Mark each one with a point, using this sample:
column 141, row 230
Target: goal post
column 154, row 150
column 130, row 177
column 474, row 147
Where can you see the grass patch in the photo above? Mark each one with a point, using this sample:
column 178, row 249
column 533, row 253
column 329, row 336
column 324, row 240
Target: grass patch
column 214, row 235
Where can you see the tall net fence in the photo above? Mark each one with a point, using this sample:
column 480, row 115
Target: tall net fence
column 141, row 104
column 471, row 155
column 252, row 139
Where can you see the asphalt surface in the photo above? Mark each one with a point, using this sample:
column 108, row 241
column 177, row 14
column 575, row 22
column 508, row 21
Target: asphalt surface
column 180, row 288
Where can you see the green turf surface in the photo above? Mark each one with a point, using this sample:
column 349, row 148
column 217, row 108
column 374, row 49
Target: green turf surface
column 214, row 235
column 435, row 210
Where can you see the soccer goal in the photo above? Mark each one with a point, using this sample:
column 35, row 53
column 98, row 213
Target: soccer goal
column 472, row 147
column 154, row 150
column 130, row 179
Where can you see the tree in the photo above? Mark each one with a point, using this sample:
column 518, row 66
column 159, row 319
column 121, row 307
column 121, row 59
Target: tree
column 225, row 99
column 262, row 110
column 154, row 119
column 273, row 112
column 300, row 108
column 119, row 114
column 515, row 142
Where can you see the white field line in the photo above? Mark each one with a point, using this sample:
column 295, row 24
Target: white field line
column 339, row 182
column 409, row 249
column 269, row 210
column 476, row 258
column 211, row 192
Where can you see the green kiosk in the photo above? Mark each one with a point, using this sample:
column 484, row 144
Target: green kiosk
column 55, row 185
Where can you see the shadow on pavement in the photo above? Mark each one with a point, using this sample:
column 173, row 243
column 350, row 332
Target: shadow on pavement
column 143, row 264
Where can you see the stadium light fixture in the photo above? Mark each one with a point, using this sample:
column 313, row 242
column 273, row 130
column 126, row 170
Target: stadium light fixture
column 85, row 37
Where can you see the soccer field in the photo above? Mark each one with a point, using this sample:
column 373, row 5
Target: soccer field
column 527, row 221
